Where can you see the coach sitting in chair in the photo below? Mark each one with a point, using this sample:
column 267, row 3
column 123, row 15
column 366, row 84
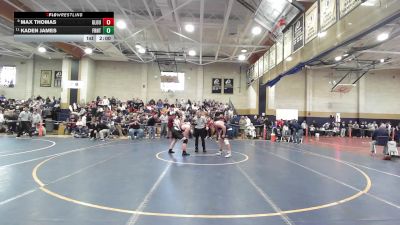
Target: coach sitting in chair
column 380, row 137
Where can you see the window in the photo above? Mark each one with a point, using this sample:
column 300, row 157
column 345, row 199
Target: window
column 7, row 76
column 172, row 81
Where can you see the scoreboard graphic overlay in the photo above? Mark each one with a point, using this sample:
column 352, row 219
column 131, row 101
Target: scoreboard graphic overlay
column 64, row 26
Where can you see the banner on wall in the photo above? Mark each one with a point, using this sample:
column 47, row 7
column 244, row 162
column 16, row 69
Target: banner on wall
column 228, row 86
column 279, row 51
column 345, row 6
column 260, row 66
column 57, row 78
column 266, row 62
column 328, row 13
column 311, row 22
column 216, row 85
column 298, row 34
column 256, row 70
column 272, row 56
column 287, row 43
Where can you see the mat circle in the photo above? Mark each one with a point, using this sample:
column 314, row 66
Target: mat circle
column 230, row 162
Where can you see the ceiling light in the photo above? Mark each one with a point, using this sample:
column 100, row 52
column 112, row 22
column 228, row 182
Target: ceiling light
column 242, row 57
column 192, row 52
column 368, row 3
column 382, row 60
column 189, row 28
column 142, row 50
column 138, row 46
column 88, row 51
column 345, row 55
column 41, row 49
column 290, row 1
column 382, row 37
column 322, row 34
column 289, row 58
column 338, row 58
column 121, row 24
column 243, row 50
column 256, row 30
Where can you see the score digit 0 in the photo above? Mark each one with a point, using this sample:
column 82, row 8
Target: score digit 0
column 108, row 21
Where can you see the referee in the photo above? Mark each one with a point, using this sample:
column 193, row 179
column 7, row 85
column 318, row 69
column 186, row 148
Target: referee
column 200, row 131
column 25, row 118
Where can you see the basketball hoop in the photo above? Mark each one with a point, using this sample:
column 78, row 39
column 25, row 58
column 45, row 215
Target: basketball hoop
column 343, row 88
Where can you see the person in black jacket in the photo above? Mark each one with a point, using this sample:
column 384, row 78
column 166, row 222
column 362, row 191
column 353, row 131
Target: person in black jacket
column 151, row 123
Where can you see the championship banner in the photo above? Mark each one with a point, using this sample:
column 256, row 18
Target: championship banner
column 279, row 51
column 57, row 78
column 272, row 56
column 228, row 86
column 328, row 13
column 345, row 6
column 311, row 22
column 216, row 85
column 260, row 66
column 287, row 43
column 266, row 62
column 256, row 70
column 298, row 34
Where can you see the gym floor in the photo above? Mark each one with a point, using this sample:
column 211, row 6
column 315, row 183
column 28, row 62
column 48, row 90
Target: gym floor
column 68, row 181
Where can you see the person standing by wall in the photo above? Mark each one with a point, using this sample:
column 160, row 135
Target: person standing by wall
column 25, row 118
column 151, row 122
column 164, row 123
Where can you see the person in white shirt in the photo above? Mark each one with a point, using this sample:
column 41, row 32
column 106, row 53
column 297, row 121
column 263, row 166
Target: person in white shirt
column 2, row 120
column 164, row 122
column 105, row 101
column 248, row 121
column 1, row 117
column 36, row 118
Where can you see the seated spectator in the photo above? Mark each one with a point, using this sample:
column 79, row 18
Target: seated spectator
column 135, row 131
column 251, row 131
column 103, row 130
column 277, row 131
column 312, row 130
column 81, row 130
column 380, row 132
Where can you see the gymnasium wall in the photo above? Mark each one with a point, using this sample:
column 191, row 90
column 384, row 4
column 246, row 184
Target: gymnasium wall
column 28, row 77
column 46, row 64
column 126, row 80
column 309, row 91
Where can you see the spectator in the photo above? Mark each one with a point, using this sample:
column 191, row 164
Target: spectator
column 164, row 123
column 380, row 132
column 242, row 126
column 151, row 122
column 25, row 118
column 135, row 131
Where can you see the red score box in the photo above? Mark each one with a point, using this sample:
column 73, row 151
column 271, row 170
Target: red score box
column 108, row 21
